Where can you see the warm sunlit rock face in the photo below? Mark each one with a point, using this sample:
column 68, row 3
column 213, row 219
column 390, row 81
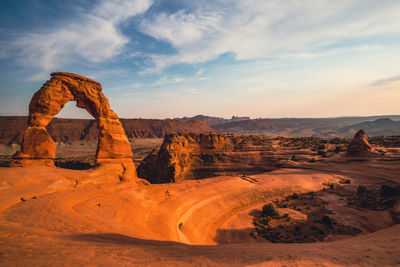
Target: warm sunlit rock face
column 360, row 145
column 191, row 156
column 113, row 146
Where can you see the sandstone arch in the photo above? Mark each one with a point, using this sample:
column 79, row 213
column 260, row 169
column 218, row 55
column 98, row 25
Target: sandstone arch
column 112, row 146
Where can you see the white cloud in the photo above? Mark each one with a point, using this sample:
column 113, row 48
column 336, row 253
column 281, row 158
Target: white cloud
column 192, row 91
column 95, row 38
column 164, row 80
column 257, row 28
column 386, row 81
column 333, row 52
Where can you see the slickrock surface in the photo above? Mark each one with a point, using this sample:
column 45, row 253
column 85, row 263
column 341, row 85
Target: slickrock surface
column 360, row 145
column 112, row 147
column 59, row 217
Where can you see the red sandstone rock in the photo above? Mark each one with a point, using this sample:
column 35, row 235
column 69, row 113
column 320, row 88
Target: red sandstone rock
column 51, row 98
column 38, row 144
column 185, row 156
column 360, row 145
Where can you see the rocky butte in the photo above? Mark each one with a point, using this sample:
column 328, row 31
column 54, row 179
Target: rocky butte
column 360, row 145
column 38, row 146
column 185, row 156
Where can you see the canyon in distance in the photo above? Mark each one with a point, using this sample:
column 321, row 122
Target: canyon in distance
column 198, row 191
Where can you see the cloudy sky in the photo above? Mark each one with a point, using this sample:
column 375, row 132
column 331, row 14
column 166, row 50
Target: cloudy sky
column 174, row 58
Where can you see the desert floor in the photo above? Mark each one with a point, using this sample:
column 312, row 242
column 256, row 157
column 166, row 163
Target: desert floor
column 59, row 217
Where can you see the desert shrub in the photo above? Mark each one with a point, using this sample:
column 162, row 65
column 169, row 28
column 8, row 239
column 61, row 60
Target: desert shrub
column 261, row 222
column 327, row 220
column 388, row 191
column 283, row 204
column 321, row 147
column 331, row 185
column 321, row 153
column 269, row 210
column 361, row 189
column 365, row 204
column 338, row 149
column 337, row 141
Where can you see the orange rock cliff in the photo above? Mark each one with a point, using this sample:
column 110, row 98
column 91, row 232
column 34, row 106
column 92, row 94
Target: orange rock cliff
column 199, row 155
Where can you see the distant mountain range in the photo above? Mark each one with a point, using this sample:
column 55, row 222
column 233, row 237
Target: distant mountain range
column 213, row 120
column 374, row 128
column 69, row 130
column 321, row 127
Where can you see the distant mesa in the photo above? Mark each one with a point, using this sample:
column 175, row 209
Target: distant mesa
column 213, row 121
column 360, row 145
column 37, row 144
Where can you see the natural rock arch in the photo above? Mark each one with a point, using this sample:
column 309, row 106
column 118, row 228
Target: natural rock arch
column 112, row 145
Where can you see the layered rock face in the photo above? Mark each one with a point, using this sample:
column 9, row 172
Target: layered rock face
column 112, row 146
column 360, row 145
column 192, row 156
column 79, row 130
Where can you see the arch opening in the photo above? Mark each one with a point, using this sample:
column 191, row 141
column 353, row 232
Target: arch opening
column 75, row 137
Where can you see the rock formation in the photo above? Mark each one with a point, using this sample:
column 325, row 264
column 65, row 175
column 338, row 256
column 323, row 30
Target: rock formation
column 192, row 156
column 112, row 147
column 82, row 130
column 360, row 145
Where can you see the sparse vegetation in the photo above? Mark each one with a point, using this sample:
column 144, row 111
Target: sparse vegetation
column 373, row 198
column 283, row 229
column 385, row 141
column 330, row 185
column 321, row 153
column 314, row 143
column 269, row 210
column 338, row 149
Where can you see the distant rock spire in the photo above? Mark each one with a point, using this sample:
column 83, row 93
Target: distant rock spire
column 360, row 145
